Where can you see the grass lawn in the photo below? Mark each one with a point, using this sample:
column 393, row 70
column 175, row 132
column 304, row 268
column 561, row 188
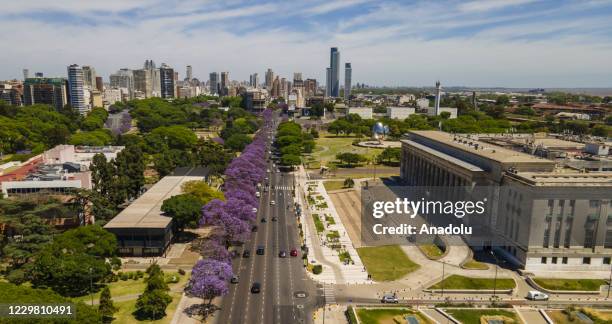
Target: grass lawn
column 386, row 263
column 475, row 265
column 318, row 224
column 570, row 284
column 333, row 185
column 386, row 315
column 328, row 146
column 126, row 308
column 330, row 220
column 461, row 282
column 472, row 316
column 432, row 251
column 131, row 287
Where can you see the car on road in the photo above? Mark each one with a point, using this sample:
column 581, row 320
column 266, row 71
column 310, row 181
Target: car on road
column 254, row 210
column 234, row 279
column 293, row 252
column 536, row 295
column 260, row 250
column 254, row 228
column 257, row 194
column 282, row 254
column 263, row 220
column 274, row 219
column 246, row 253
column 272, row 202
column 256, row 288
column 389, row 299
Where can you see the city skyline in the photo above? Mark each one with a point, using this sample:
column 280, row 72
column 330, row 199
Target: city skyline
column 494, row 43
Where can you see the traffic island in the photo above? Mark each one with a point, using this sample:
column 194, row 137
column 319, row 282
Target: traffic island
column 568, row 286
column 386, row 263
column 461, row 284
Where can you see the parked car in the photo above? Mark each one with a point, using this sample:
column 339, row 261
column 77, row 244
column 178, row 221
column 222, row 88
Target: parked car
column 536, row 295
column 389, row 299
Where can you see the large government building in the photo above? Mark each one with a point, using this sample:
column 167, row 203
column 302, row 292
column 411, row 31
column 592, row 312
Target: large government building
column 542, row 216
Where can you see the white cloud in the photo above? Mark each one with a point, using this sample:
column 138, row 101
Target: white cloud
column 392, row 54
column 487, row 5
column 330, row 6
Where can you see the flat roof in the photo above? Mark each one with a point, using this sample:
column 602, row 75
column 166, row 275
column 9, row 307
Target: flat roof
column 566, row 178
column 145, row 212
column 486, row 150
column 444, row 156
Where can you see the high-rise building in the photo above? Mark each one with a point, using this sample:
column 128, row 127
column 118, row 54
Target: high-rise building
column 26, row 74
column 123, row 79
column 347, row 81
column 143, row 82
column 11, row 92
column 166, row 76
column 225, row 83
column 89, row 76
column 76, row 89
column 275, row 88
column 298, row 83
column 38, row 75
column 189, row 73
column 328, row 84
column 214, row 83
column 99, row 84
column 333, row 75
column 269, row 79
column 254, row 80
column 310, row 87
column 51, row 91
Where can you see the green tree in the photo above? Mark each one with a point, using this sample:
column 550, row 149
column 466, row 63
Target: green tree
column 202, row 191
column 31, row 234
column 237, row 142
column 390, row 155
column 213, row 156
column 106, row 308
column 130, row 167
column 290, row 159
column 185, row 209
column 151, row 305
column 350, row 159
column 348, row 183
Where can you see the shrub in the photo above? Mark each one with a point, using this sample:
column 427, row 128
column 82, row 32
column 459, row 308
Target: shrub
column 350, row 315
column 317, row 269
column 139, row 274
column 181, row 272
column 124, row 276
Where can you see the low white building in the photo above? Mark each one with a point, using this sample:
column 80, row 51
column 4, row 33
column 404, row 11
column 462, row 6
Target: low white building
column 363, row 112
column 400, row 112
column 422, row 103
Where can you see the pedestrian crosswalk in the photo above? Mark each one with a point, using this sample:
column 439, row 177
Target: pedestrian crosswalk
column 330, row 296
column 287, row 188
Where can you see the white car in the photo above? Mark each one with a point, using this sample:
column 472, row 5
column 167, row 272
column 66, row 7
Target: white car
column 272, row 202
column 536, row 295
column 389, row 299
column 254, row 210
column 257, row 194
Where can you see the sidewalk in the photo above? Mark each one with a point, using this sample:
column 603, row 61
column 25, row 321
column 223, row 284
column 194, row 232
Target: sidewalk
column 334, row 270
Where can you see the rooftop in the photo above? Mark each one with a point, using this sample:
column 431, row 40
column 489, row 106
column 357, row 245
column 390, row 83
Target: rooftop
column 473, row 146
column 565, row 178
column 145, row 212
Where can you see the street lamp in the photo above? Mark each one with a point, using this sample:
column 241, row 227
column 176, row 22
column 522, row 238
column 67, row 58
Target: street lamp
column 442, row 282
column 495, row 280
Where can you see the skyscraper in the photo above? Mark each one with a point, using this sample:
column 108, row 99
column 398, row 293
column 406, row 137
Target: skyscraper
column 334, row 73
column 254, row 80
column 189, row 73
column 269, row 79
column 26, row 74
column 124, row 78
column 214, row 83
column 143, row 82
column 89, row 76
column 99, row 84
column 347, row 81
column 166, row 76
column 75, row 89
column 225, row 83
column 328, row 85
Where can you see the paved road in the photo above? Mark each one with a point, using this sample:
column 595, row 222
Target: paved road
column 280, row 278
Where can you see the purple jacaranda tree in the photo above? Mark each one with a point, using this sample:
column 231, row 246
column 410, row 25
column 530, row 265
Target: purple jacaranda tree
column 215, row 250
column 209, row 279
column 239, row 209
column 212, row 212
column 236, row 230
column 246, row 198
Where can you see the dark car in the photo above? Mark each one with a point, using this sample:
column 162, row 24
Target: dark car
column 256, row 288
column 234, row 279
column 293, row 252
column 254, row 228
column 263, row 220
column 246, row 254
column 260, row 250
column 282, row 254
column 274, row 219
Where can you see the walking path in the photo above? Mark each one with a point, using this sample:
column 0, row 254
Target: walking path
column 334, row 270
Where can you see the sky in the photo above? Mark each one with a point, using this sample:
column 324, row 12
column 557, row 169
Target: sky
column 505, row 43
